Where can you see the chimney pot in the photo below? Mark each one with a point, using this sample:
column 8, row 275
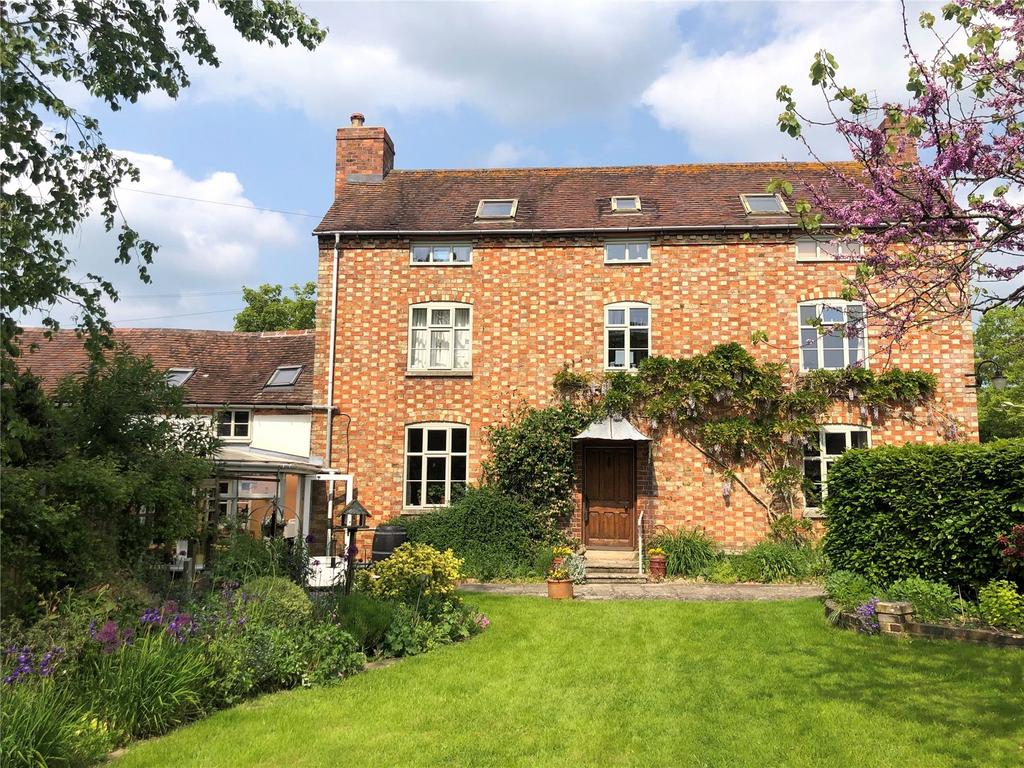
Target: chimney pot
column 357, row 119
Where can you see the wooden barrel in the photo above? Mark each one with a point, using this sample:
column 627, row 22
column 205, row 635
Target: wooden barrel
column 386, row 539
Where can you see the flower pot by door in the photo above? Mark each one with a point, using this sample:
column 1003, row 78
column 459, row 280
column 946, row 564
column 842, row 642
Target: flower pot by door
column 560, row 590
column 657, row 567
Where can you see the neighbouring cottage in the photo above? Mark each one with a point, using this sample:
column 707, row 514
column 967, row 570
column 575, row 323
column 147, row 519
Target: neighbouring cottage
column 447, row 296
column 256, row 388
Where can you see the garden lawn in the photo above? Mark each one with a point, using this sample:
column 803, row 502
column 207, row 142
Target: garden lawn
column 652, row 683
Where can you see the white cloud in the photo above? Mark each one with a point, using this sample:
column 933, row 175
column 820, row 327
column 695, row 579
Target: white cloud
column 507, row 154
column 516, row 61
column 207, row 249
column 725, row 103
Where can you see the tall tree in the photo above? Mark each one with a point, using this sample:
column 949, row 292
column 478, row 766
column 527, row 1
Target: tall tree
column 267, row 310
column 938, row 202
column 999, row 338
column 55, row 166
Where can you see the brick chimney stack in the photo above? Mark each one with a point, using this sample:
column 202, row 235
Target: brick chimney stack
column 904, row 145
column 363, row 155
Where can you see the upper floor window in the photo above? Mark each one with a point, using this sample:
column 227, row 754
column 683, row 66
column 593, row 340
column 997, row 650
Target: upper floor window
column 627, row 335
column 178, row 376
column 821, row 449
column 234, row 425
column 284, row 376
column 832, row 334
column 435, row 464
column 497, row 209
column 442, row 253
column 764, row 204
column 626, row 204
column 812, row 249
column 439, row 337
column 626, row 252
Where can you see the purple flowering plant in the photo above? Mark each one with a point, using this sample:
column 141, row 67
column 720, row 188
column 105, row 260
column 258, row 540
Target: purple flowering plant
column 867, row 617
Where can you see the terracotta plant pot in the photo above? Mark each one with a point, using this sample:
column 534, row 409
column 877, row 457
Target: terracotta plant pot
column 560, row 589
column 657, row 567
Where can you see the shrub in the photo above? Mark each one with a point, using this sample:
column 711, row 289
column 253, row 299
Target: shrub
column 787, row 529
column 366, row 619
column 770, row 561
column 1001, row 605
column 329, row 653
column 242, row 557
column 280, row 602
column 496, row 535
column 849, row 589
column 416, row 574
column 722, row 572
column 411, row 633
column 687, row 552
column 938, row 510
column 932, row 600
column 258, row 658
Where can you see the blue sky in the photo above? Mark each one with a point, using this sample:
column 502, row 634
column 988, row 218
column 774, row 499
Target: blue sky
column 457, row 84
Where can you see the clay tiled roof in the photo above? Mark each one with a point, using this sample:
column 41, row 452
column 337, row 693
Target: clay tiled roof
column 231, row 368
column 568, row 198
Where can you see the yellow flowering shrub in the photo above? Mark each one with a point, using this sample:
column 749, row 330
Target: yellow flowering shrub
column 414, row 572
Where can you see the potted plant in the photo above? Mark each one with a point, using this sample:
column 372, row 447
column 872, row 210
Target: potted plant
column 559, row 583
column 558, row 555
column 657, row 563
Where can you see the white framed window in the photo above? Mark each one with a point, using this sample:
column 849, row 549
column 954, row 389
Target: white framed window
column 764, row 204
column 832, row 334
column 435, row 464
column 627, row 335
column 626, row 204
column 814, row 249
column 820, row 450
column 497, row 209
column 441, row 253
column 284, row 376
column 234, row 425
column 440, row 337
column 178, row 376
column 627, row 252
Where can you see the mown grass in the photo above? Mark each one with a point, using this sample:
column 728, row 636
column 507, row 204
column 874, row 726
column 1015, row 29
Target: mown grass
column 638, row 683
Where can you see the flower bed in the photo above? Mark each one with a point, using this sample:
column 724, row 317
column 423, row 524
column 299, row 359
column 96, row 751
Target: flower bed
column 897, row 619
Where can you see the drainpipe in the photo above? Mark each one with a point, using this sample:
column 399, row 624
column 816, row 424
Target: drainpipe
column 640, row 540
column 330, row 395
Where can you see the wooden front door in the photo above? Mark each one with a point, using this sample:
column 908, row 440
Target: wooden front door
column 608, row 497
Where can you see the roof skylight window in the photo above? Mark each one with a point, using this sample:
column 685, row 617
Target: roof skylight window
column 626, row 204
column 759, row 205
column 284, row 376
column 497, row 209
column 178, row 376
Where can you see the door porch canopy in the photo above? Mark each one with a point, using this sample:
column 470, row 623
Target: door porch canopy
column 613, row 429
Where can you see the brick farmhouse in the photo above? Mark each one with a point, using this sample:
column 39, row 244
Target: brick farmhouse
column 448, row 297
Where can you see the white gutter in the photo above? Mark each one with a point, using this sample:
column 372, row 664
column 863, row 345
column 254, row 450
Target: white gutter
column 640, row 542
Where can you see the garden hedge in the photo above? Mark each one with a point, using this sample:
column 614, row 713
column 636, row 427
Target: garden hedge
column 922, row 510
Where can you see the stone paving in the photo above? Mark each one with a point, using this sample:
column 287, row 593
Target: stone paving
column 670, row 590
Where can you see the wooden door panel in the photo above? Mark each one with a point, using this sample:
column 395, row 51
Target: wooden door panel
column 609, row 496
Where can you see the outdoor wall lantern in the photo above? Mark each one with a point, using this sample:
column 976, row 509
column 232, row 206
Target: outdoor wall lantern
column 354, row 518
column 998, row 378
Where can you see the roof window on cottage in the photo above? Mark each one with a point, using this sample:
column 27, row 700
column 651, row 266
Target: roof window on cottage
column 178, row 376
column 284, row 376
column 626, row 204
column 756, row 205
column 497, row 209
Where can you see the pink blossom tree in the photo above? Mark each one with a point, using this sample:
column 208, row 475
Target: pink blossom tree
column 936, row 193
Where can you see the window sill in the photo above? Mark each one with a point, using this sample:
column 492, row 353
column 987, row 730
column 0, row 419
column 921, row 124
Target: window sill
column 440, row 263
column 235, row 440
column 816, row 259
column 417, row 511
column 417, row 374
column 814, row 514
column 637, row 262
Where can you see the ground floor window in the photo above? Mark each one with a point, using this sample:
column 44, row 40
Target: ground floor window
column 820, row 450
column 435, row 464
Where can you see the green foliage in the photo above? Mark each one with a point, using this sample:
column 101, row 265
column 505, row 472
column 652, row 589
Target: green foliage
column 770, row 561
column 417, row 575
column 366, row 619
column 241, row 557
column 849, row 589
column 267, row 310
column 794, row 531
column 92, row 477
column 411, row 633
column 932, row 600
column 722, row 572
column 497, row 535
column 531, row 457
column 1001, row 605
column 999, row 337
column 330, row 653
column 918, row 510
column 687, row 552
column 280, row 602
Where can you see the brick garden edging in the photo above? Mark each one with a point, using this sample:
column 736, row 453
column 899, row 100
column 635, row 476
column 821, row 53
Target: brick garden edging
column 898, row 619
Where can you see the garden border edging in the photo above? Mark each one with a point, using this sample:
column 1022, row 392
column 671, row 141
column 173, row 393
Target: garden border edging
column 896, row 618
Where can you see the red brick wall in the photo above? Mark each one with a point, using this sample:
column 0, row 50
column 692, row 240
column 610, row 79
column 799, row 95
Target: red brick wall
column 537, row 305
column 362, row 152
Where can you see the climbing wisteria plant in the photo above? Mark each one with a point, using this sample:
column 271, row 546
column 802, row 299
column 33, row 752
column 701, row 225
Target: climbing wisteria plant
column 943, row 230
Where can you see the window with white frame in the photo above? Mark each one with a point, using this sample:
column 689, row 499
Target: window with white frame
column 435, row 464
column 820, row 450
column 234, row 424
column 764, row 204
column 627, row 251
column 497, row 209
column 832, row 334
column 627, row 335
column 178, row 376
column 442, row 253
column 284, row 376
column 440, row 337
column 814, row 249
column 626, row 204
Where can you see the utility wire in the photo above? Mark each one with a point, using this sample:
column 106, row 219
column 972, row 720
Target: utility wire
column 186, row 314
column 220, row 202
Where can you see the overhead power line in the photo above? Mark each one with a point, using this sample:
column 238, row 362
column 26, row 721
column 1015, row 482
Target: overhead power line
column 184, row 314
column 220, row 202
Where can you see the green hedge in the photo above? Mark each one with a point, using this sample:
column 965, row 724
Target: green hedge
column 920, row 510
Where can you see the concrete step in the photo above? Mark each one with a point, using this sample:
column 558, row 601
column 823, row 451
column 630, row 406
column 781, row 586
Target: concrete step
column 616, row 578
